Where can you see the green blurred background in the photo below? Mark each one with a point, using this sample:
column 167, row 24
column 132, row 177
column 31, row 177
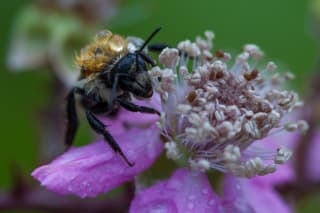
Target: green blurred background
column 283, row 29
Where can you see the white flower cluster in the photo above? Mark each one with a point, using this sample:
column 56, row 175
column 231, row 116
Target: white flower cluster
column 214, row 111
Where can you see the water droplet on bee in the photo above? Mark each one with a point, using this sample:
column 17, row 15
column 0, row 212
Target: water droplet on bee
column 103, row 34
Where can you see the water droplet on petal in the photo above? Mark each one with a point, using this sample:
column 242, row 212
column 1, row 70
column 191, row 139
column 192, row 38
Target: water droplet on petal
column 205, row 191
column 190, row 205
column 191, row 197
column 238, row 187
column 160, row 207
column 174, row 184
column 83, row 195
column 211, row 202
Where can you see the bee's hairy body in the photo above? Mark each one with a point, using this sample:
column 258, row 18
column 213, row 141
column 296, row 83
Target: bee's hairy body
column 112, row 69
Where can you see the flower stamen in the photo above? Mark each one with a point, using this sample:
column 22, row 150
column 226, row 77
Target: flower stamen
column 218, row 112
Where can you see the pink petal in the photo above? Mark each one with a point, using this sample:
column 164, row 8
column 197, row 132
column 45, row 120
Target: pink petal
column 126, row 119
column 185, row 191
column 313, row 159
column 250, row 196
column 287, row 139
column 285, row 172
column 94, row 169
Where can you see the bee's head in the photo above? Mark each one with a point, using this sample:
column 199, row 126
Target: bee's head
column 139, row 84
column 136, row 79
column 143, row 84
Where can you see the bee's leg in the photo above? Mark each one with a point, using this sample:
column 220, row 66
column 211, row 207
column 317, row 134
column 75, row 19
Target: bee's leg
column 135, row 108
column 157, row 47
column 100, row 128
column 114, row 88
column 72, row 118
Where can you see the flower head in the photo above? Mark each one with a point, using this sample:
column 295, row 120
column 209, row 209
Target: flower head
column 214, row 110
column 212, row 113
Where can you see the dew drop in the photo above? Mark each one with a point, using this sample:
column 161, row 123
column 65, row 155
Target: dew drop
column 205, row 191
column 174, row 185
column 190, row 205
column 191, row 197
column 102, row 179
column 195, row 174
column 83, row 195
column 159, row 208
column 211, row 202
column 238, row 187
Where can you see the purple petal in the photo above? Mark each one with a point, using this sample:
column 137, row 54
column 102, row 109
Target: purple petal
column 250, row 196
column 93, row 169
column 313, row 158
column 126, row 119
column 285, row 172
column 185, row 191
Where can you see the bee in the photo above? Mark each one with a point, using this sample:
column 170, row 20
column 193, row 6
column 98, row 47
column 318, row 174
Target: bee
column 112, row 70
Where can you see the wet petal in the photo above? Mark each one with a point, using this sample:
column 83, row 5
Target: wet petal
column 93, row 169
column 313, row 159
column 285, row 172
column 287, row 139
column 185, row 191
column 250, row 196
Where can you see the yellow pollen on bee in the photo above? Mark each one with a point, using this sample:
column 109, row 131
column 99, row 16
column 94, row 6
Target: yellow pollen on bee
column 100, row 53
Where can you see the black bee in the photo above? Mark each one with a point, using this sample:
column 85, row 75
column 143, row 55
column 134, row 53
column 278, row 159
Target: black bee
column 112, row 69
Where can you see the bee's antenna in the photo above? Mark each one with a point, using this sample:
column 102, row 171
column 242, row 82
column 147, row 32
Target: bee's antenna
column 149, row 39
